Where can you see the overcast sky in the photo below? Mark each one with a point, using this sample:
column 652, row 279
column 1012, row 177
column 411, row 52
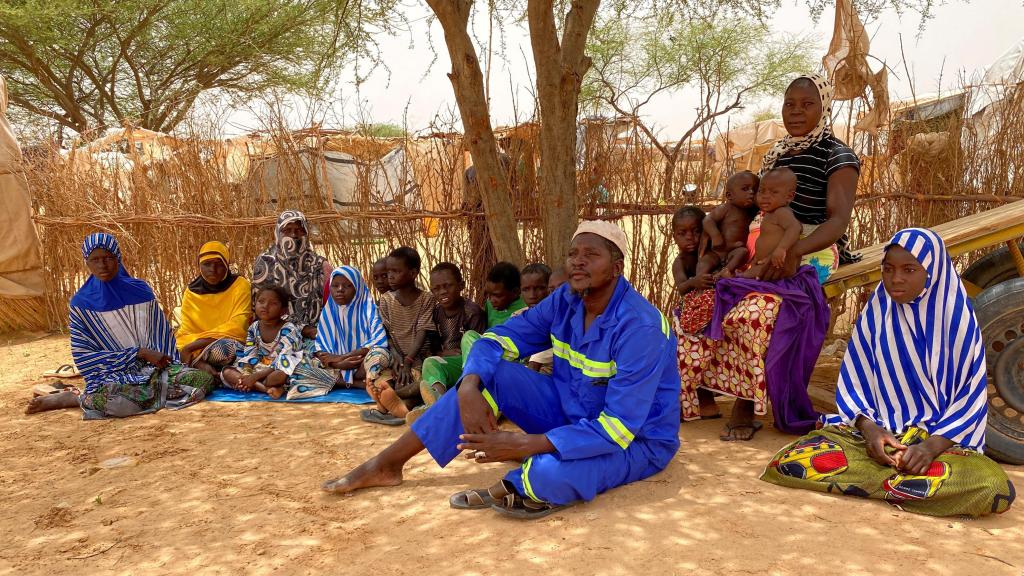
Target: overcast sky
column 962, row 38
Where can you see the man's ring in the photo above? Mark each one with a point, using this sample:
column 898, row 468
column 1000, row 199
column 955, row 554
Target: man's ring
column 480, row 454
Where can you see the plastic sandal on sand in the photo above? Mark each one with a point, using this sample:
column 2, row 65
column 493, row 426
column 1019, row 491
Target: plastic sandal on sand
column 375, row 416
column 478, row 498
column 515, row 506
column 63, row 371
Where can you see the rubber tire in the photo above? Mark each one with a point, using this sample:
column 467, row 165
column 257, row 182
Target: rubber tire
column 993, row 268
column 1000, row 309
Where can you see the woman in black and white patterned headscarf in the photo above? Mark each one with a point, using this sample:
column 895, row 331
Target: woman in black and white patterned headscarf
column 826, row 170
column 292, row 264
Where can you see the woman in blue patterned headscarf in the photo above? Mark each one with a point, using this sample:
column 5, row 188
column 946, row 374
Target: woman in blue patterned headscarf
column 912, row 398
column 122, row 344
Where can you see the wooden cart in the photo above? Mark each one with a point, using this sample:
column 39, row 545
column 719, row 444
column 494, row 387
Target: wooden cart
column 996, row 284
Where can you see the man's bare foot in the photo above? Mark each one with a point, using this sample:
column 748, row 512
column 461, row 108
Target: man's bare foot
column 275, row 392
column 57, row 401
column 369, row 474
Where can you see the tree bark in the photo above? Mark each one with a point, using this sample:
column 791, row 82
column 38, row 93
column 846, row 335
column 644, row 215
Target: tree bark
column 560, row 69
column 468, row 82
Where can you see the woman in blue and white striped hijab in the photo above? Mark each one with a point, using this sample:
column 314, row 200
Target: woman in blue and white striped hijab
column 911, row 398
column 349, row 325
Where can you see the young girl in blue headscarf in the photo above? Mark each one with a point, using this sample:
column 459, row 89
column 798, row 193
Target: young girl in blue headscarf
column 911, row 398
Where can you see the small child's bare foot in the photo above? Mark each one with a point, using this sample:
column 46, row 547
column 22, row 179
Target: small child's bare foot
column 726, row 273
column 275, row 392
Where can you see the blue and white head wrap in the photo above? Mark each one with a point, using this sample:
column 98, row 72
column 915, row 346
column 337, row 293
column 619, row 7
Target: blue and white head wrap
column 918, row 364
column 344, row 329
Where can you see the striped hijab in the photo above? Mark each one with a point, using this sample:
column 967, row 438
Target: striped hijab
column 918, row 364
column 343, row 329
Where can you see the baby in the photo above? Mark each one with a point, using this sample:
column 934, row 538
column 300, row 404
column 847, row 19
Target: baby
column 779, row 227
column 727, row 226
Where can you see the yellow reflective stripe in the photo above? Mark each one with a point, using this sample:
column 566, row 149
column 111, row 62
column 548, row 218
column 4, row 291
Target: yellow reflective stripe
column 616, row 430
column 490, row 400
column 591, row 368
column 511, row 353
column 526, row 480
column 665, row 326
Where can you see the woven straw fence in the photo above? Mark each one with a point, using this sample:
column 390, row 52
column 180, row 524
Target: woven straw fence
column 163, row 210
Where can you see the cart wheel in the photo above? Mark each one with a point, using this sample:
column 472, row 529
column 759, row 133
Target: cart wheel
column 993, row 268
column 1000, row 311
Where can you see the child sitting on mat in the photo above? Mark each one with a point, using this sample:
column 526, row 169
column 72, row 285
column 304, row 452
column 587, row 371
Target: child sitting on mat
column 273, row 360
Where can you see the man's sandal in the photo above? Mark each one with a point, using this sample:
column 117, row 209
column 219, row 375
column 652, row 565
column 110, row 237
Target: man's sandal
column 512, row 505
column 477, row 498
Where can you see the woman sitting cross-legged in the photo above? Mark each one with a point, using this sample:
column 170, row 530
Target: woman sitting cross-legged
column 122, row 344
column 216, row 310
column 349, row 326
column 911, row 396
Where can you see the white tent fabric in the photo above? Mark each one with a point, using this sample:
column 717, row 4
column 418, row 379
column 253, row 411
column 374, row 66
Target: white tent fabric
column 1000, row 77
column 21, row 266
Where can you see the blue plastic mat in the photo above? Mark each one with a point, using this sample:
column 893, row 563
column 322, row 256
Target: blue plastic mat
column 339, row 396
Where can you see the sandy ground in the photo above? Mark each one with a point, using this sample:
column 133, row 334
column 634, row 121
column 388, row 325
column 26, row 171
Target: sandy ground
column 233, row 489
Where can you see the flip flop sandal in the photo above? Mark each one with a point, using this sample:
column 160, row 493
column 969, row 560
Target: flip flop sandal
column 48, row 388
column 375, row 416
column 755, row 425
column 63, row 371
column 478, row 498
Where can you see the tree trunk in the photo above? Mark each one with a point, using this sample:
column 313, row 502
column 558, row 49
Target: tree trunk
column 669, row 178
column 560, row 69
column 468, row 82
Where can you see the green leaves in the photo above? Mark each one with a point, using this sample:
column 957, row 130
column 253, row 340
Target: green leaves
column 89, row 64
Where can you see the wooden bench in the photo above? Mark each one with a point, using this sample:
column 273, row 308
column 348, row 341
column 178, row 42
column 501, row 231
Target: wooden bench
column 974, row 232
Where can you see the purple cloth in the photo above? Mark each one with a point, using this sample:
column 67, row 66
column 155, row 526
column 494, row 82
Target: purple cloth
column 796, row 340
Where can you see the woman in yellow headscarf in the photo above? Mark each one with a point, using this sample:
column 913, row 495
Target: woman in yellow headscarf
column 216, row 311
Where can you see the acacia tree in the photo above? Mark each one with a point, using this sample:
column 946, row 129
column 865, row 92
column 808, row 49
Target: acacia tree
column 729, row 60
column 87, row 64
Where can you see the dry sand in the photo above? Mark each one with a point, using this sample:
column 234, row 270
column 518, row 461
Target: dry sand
column 233, row 489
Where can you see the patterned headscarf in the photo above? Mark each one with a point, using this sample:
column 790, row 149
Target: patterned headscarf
column 918, row 364
column 120, row 291
column 293, row 264
column 344, row 329
column 822, row 130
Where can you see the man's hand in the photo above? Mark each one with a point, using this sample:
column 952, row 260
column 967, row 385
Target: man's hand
column 477, row 415
column 877, row 440
column 503, row 446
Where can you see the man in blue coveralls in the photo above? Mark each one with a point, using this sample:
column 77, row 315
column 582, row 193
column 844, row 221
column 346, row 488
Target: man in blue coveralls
column 608, row 415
